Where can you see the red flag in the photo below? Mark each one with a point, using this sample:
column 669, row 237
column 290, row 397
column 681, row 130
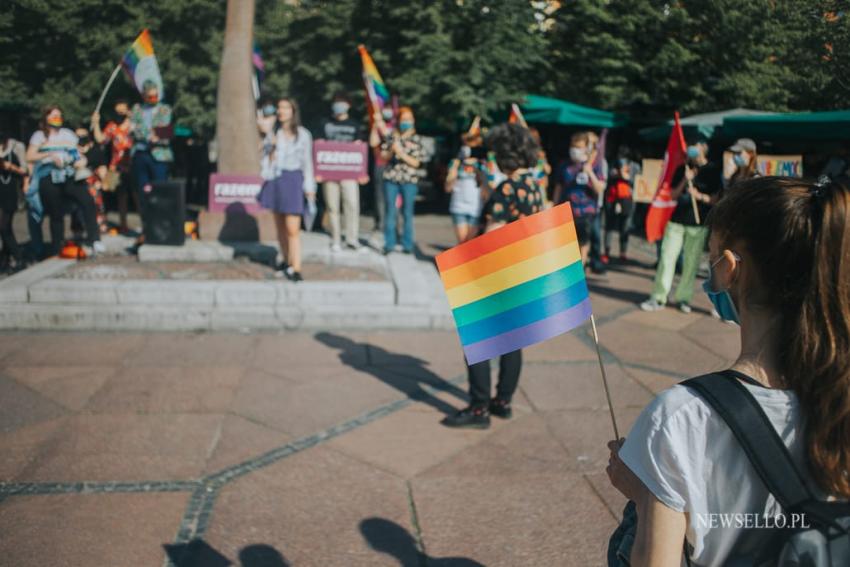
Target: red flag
column 663, row 205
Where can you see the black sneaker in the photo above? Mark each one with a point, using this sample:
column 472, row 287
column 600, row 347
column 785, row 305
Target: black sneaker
column 293, row 275
column 471, row 418
column 501, row 408
column 281, row 270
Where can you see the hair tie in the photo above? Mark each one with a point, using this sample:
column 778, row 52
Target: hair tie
column 820, row 186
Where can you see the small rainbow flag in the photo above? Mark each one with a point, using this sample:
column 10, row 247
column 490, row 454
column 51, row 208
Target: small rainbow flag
column 376, row 90
column 140, row 63
column 516, row 286
column 516, row 117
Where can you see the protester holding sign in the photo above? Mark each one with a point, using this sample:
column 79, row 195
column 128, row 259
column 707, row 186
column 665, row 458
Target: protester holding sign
column 343, row 128
column 57, row 163
column 405, row 153
column 151, row 129
column 287, row 167
column 696, row 180
column 779, row 254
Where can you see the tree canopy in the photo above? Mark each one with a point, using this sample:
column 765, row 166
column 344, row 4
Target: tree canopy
column 449, row 59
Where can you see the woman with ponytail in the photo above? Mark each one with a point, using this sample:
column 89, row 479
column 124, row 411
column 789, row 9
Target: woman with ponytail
column 780, row 267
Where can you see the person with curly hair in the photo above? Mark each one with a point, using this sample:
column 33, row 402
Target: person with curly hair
column 516, row 197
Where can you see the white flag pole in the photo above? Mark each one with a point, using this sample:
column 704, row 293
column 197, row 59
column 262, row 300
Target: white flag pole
column 105, row 90
column 604, row 379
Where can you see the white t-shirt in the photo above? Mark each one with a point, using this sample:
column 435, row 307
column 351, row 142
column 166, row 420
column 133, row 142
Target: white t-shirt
column 466, row 193
column 62, row 141
column 687, row 456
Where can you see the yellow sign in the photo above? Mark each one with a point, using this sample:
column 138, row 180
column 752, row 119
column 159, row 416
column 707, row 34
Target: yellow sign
column 647, row 182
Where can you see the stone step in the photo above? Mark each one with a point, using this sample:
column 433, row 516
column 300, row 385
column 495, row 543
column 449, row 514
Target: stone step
column 208, row 293
column 100, row 317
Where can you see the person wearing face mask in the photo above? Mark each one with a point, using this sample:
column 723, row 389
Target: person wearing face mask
column 378, row 134
column 343, row 128
column 405, row 154
column 57, row 164
column 116, row 135
column 743, row 163
column 581, row 182
column 466, row 181
column 697, row 180
column 150, row 126
column 92, row 175
column 779, row 254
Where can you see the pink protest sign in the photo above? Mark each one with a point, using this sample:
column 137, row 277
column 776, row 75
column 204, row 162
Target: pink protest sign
column 228, row 190
column 335, row 161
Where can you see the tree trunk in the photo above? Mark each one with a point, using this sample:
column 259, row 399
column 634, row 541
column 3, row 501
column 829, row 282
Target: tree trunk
column 236, row 128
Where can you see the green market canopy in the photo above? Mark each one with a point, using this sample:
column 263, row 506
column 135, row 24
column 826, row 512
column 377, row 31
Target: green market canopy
column 546, row 110
column 815, row 126
column 698, row 125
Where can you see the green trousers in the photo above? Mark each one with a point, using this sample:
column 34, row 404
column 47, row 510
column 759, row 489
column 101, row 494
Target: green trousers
column 678, row 237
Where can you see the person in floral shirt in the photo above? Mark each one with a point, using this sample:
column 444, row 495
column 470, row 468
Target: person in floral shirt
column 515, row 197
column 117, row 135
column 406, row 155
column 151, row 129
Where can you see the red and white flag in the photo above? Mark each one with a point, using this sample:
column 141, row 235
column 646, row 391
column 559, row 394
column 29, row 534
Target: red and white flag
column 663, row 204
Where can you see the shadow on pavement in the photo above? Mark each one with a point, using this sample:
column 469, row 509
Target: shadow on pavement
column 388, row 537
column 198, row 553
column 410, row 384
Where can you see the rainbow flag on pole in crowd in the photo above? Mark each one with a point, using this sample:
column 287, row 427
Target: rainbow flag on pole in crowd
column 376, row 91
column 516, row 117
column 516, row 286
column 140, row 63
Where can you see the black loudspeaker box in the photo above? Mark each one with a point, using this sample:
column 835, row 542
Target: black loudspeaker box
column 164, row 213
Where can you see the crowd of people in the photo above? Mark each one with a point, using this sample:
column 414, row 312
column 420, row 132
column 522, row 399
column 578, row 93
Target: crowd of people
column 64, row 171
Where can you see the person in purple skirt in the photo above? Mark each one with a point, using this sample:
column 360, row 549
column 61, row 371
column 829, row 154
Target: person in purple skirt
column 287, row 167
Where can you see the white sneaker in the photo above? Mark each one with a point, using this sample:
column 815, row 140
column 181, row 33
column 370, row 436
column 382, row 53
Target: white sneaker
column 651, row 305
column 684, row 308
column 336, row 248
column 99, row 247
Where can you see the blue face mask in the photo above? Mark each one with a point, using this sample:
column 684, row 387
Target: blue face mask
column 405, row 125
column 693, row 152
column 721, row 300
column 739, row 160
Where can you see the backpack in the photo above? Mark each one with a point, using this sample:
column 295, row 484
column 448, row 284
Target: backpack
column 822, row 538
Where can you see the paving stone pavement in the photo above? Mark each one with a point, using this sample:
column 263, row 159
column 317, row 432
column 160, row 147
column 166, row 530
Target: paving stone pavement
column 325, row 448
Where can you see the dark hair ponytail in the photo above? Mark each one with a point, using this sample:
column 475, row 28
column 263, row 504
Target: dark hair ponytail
column 799, row 236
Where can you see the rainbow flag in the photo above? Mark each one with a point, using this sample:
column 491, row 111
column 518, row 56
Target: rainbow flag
column 140, row 63
column 376, row 91
column 516, row 286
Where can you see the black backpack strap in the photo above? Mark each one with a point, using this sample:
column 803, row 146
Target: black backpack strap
column 756, row 435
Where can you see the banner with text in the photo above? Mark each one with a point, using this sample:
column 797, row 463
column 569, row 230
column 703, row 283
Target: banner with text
column 335, row 161
column 229, row 190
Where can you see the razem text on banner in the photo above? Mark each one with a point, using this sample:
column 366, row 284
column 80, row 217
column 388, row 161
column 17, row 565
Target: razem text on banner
column 336, row 161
